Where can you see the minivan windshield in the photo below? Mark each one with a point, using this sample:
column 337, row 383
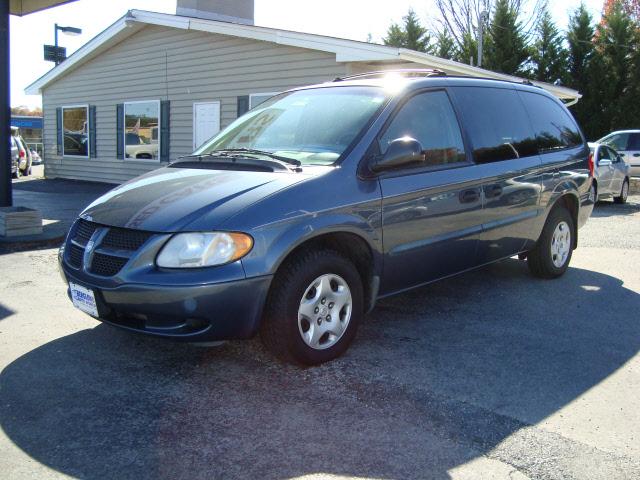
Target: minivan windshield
column 313, row 126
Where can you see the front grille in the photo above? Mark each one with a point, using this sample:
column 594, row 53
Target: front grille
column 123, row 239
column 107, row 265
column 75, row 255
column 114, row 246
column 83, row 231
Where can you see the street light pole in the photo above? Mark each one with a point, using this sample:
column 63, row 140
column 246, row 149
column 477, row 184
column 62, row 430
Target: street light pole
column 480, row 36
column 68, row 31
column 5, row 109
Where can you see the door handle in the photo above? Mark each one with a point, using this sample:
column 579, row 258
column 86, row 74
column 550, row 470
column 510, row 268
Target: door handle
column 469, row 196
column 636, row 154
column 492, row 191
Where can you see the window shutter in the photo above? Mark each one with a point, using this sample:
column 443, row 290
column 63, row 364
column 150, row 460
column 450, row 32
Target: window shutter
column 243, row 105
column 164, row 130
column 59, row 130
column 120, row 131
column 92, row 131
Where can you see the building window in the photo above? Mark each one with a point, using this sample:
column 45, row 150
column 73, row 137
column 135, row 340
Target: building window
column 75, row 127
column 141, row 130
column 256, row 99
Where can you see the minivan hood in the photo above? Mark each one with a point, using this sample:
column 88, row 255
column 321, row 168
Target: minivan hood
column 176, row 199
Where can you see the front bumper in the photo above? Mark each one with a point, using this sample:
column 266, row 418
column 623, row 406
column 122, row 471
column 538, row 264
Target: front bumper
column 195, row 313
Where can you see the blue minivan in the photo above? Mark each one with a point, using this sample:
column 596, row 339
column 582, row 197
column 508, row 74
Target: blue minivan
column 293, row 220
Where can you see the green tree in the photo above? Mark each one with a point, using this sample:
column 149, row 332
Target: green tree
column 548, row 55
column 615, row 43
column 445, row 46
column 411, row 34
column 506, row 49
column 585, row 75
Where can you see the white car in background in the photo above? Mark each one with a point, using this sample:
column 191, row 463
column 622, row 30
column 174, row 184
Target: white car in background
column 627, row 144
column 610, row 174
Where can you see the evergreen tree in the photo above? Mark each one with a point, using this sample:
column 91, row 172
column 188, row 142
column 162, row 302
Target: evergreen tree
column 445, row 45
column 584, row 76
column 614, row 42
column 506, row 49
column 580, row 42
column 468, row 51
column 411, row 34
column 548, row 54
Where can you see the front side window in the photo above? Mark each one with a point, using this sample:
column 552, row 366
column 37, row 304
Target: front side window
column 313, row 126
column 430, row 119
column 75, row 128
column 555, row 128
column 141, row 135
column 618, row 141
column 497, row 123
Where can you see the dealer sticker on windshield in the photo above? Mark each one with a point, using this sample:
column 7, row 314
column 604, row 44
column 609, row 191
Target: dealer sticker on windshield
column 84, row 299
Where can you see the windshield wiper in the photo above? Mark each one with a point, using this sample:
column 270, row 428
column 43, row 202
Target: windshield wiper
column 254, row 151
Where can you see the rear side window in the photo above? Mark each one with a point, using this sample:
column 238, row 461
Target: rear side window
column 497, row 124
column 555, row 128
column 634, row 141
column 429, row 118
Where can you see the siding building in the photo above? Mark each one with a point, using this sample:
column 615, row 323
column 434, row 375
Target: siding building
column 154, row 86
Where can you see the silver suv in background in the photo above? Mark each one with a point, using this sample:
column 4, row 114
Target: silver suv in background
column 610, row 173
column 627, row 144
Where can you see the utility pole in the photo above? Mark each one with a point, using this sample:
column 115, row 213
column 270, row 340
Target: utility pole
column 481, row 18
column 5, row 108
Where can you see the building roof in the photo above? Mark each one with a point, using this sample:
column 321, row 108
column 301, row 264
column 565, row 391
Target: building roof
column 344, row 50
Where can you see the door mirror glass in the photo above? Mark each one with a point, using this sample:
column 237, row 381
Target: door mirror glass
column 401, row 152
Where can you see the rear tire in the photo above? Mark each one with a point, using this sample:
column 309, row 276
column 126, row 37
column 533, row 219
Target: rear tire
column 551, row 256
column 286, row 329
column 624, row 192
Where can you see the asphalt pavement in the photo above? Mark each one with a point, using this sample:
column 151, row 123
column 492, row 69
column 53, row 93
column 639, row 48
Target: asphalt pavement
column 490, row 374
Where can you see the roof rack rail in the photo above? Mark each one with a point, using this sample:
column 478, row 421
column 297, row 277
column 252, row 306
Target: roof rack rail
column 526, row 81
column 406, row 72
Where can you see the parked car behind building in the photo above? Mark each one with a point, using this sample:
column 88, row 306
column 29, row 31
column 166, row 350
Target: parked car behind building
column 627, row 144
column 25, row 159
column 293, row 220
column 15, row 155
column 611, row 173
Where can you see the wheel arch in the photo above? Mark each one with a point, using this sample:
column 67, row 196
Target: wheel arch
column 571, row 202
column 353, row 246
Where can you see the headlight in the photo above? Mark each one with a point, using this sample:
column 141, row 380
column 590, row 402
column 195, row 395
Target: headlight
column 193, row 250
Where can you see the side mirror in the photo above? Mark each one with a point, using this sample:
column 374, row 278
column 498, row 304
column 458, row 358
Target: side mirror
column 604, row 162
column 401, row 152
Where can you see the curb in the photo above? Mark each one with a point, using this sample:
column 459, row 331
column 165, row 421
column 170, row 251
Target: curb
column 20, row 244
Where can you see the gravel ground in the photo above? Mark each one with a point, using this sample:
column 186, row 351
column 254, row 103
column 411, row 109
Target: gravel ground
column 491, row 374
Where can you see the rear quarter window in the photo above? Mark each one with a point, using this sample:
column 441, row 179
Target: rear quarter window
column 496, row 123
column 554, row 126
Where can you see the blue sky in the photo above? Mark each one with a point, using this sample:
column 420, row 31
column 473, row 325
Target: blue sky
column 353, row 19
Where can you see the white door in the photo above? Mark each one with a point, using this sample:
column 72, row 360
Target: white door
column 206, row 121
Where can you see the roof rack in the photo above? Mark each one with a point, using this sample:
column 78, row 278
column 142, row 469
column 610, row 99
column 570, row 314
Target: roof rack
column 405, row 72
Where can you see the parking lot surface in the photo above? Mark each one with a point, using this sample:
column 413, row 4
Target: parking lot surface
column 491, row 374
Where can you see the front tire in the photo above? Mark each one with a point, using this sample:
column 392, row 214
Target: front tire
column 551, row 256
column 624, row 192
column 314, row 308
